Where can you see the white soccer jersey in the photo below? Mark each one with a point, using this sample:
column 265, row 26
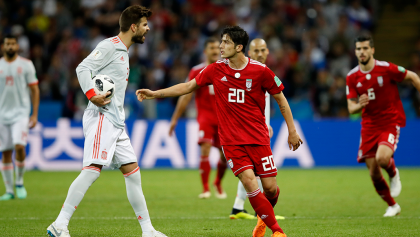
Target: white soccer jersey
column 110, row 57
column 15, row 100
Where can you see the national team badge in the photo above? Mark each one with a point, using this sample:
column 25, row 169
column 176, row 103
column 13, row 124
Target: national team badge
column 104, row 155
column 248, row 84
column 230, row 162
column 380, row 81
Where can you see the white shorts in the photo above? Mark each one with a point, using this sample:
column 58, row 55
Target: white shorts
column 105, row 144
column 14, row 134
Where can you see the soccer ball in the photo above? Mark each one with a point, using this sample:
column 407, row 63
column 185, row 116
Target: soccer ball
column 102, row 84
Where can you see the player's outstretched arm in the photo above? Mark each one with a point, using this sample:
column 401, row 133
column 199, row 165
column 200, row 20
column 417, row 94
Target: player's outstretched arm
column 179, row 110
column 414, row 78
column 173, row 91
column 294, row 139
column 354, row 106
column 33, row 120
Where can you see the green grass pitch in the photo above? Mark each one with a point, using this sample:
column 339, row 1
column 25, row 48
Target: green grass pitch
column 316, row 202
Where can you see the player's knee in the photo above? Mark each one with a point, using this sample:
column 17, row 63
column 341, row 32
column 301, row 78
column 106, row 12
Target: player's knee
column 382, row 160
column 19, row 148
column 270, row 191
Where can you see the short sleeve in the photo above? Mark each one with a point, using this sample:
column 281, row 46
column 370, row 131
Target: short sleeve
column 98, row 58
column 204, row 78
column 31, row 74
column 271, row 83
column 396, row 73
column 351, row 91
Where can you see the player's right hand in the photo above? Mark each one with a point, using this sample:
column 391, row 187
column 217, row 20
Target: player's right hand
column 145, row 94
column 100, row 100
column 364, row 100
column 172, row 128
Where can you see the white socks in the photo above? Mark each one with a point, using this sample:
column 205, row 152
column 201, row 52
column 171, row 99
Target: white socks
column 7, row 173
column 137, row 200
column 20, row 170
column 76, row 192
column 241, row 195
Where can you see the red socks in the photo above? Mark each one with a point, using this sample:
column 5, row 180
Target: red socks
column 383, row 190
column 390, row 168
column 273, row 200
column 221, row 168
column 264, row 210
column 205, row 172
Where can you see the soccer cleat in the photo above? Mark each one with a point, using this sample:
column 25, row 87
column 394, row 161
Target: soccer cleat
column 393, row 210
column 21, row 192
column 259, row 230
column 204, row 195
column 7, row 197
column 242, row 215
column 395, row 184
column 57, row 231
column 220, row 194
column 154, row 233
column 278, row 234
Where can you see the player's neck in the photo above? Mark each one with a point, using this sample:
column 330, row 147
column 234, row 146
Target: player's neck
column 238, row 61
column 126, row 39
column 368, row 66
column 9, row 60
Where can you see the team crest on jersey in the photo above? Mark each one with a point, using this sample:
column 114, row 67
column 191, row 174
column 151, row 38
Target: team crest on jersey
column 380, row 81
column 97, row 54
column 248, row 84
column 104, row 155
column 230, row 162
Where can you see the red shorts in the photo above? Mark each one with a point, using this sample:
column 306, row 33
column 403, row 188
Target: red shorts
column 371, row 139
column 209, row 133
column 256, row 157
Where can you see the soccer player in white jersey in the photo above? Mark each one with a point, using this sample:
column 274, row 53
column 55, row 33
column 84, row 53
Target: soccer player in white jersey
column 18, row 88
column 107, row 143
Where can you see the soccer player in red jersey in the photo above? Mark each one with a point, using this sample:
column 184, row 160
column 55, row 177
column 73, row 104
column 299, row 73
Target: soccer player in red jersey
column 208, row 132
column 372, row 89
column 240, row 84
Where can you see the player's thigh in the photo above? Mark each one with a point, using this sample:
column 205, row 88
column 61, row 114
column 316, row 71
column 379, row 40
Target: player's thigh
column 124, row 152
column 6, row 142
column 20, row 131
column 262, row 158
column 237, row 159
column 205, row 148
column 100, row 139
column 248, row 179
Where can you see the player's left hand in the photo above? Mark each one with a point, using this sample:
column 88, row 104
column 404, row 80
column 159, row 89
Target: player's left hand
column 270, row 131
column 33, row 120
column 145, row 94
column 294, row 141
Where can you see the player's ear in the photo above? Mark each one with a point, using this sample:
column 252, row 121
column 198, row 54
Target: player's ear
column 133, row 27
column 373, row 50
column 239, row 47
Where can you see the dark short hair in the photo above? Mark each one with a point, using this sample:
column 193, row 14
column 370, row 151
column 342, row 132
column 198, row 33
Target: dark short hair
column 238, row 36
column 132, row 15
column 210, row 40
column 364, row 38
column 9, row 36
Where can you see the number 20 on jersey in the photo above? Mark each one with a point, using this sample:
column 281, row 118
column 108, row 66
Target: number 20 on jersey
column 236, row 95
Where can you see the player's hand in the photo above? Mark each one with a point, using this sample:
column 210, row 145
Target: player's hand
column 294, row 141
column 145, row 94
column 363, row 100
column 100, row 100
column 33, row 120
column 172, row 127
column 270, row 131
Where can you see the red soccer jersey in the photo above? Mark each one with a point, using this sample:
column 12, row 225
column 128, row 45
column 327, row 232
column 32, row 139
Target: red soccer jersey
column 204, row 99
column 240, row 100
column 380, row 84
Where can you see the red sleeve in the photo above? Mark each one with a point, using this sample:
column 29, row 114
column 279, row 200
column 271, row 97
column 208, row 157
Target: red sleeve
column 350, row 88
column 271, row 82
column 397, row 73
column 204, row 77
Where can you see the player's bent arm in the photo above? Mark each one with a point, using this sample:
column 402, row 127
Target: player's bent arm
column 353, row 106
column 414, row 78
column 181, row 105
column 35, row 104
column 173, row 91
column 294, row 139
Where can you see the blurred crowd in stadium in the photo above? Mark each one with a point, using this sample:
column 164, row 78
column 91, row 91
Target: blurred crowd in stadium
column 310, row 43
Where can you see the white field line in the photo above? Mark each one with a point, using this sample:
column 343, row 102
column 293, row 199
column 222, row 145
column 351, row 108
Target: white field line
column 208, row 218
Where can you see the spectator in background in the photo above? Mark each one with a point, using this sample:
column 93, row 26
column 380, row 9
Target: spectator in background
column 359, row 15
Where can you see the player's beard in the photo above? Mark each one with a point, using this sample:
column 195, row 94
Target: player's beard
column 10, row 53
column 365, row 62
column 138, row 39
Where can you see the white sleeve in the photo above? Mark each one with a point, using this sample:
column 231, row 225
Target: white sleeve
column 100, row 57
column 31, row 74
column 267, row 109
